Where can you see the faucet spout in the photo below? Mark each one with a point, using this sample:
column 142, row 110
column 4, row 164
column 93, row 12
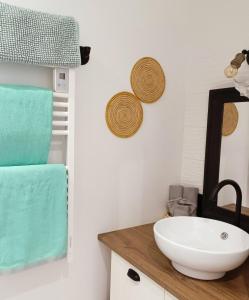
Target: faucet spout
column 238, row 197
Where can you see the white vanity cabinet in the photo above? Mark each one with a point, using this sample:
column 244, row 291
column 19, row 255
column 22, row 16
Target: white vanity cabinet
column 128, row 283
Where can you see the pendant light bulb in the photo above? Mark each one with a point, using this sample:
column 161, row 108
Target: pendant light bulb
column 230, row 71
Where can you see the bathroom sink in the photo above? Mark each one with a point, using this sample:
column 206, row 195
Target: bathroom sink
column 201, row 248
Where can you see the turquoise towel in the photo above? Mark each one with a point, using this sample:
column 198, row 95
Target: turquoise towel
column 33, row 215
column 28, row 36
column 26, row 125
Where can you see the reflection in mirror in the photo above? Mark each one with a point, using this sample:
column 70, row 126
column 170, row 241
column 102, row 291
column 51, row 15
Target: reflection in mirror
column 234, row 158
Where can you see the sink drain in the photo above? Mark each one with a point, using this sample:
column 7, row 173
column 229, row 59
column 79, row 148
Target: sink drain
column 224, row 235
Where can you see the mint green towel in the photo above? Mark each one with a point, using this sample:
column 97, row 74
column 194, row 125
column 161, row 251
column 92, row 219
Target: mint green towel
column 26, row 125
column 33, row 215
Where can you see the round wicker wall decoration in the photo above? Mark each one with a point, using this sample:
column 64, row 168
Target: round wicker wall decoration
column 148, row 80
column 124, row 114
column 230, row 119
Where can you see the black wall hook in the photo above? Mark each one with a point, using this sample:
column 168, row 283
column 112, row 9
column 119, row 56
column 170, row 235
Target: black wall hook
column 85, row 54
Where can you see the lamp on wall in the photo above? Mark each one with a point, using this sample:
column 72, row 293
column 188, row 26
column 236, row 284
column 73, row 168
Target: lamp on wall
column 232, row 70
column 241, row 80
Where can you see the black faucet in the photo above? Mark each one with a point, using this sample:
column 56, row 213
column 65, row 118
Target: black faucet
column 238, row 197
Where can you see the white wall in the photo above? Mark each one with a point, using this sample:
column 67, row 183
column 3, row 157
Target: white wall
column 119, row 182
column 217, row 31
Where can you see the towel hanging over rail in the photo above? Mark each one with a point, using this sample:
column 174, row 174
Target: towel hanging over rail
column 33, row 215
column 26, row 125
column 27, row 36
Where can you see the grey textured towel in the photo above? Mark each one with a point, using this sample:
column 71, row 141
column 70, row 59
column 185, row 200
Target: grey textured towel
column 27, row 36
column 182, row 200
column 175, row 191
column 191, row 194
column 182, row 208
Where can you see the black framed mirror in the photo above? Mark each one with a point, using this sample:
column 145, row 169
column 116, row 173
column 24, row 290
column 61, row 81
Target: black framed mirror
column 220, row 144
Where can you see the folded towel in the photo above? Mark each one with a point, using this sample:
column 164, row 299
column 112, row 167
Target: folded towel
column 175, row 194
column 175, row 191
column 191, row 194
column 27, row 36
column 26, row 125
column 181, row 208
column 182, row 201
column 171, row 205
column 33, row 215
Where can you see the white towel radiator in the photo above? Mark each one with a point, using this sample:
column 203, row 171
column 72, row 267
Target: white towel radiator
column 63, row 125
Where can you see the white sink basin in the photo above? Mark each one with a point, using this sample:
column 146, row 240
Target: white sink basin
column 201, row 248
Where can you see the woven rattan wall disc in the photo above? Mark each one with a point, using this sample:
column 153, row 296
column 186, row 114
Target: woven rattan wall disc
column 230, row 119
column 124, row 114
column 147, row 80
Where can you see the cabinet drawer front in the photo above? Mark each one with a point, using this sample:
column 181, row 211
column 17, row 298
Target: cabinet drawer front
column 128, row 283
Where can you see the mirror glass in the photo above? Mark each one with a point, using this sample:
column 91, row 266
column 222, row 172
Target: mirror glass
column 234, row 158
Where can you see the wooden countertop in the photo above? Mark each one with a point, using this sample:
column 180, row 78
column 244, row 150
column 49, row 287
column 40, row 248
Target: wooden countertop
column 232, row 207
column 138, row 247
